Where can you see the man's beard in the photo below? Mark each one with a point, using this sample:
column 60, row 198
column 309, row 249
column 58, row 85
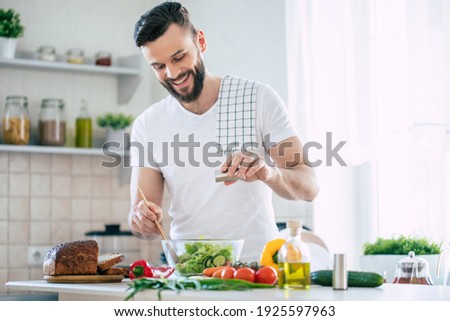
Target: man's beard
column 198, row 76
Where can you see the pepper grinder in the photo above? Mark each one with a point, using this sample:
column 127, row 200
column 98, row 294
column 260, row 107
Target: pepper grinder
column 340, row 281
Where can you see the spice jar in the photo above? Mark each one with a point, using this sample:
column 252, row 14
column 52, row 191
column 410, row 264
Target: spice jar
column 52, row 125
column 103, row 58
column 16, row 121
column 75, row 56
column 47, row 53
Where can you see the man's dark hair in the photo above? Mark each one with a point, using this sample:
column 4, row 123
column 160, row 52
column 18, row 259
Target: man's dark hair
column 154, row 23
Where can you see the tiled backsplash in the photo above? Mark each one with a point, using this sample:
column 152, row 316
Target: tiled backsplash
column 46, row 199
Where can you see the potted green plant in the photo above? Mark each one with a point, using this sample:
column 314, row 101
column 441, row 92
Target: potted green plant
column 11, row 28
column 382, row 255
column 116, row 126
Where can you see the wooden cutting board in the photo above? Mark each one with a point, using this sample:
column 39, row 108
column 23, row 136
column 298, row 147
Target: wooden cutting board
column 83, row 278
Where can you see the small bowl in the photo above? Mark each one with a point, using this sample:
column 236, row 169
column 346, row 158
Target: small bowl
column 193, row 256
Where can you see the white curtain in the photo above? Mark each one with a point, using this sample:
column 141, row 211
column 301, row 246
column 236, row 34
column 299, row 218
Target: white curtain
column 375, row 74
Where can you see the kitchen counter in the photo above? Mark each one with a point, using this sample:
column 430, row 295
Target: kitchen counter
column 118, row 292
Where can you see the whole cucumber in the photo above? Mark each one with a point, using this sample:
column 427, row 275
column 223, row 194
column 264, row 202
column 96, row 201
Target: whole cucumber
column 355, row 278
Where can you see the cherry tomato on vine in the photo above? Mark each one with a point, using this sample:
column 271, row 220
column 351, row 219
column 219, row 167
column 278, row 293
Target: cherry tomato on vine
column 267, row 275
column 227, row 273
column 245, row 273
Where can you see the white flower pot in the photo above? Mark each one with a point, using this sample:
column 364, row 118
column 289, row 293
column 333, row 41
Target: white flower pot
column 388, row 263
column 118, row 136
column 7, row 47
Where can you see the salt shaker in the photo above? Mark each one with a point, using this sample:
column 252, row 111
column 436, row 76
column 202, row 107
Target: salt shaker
column 340, row 281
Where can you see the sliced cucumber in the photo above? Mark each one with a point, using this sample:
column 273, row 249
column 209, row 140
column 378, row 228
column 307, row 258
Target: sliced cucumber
column 219, row 260
column 207, row 261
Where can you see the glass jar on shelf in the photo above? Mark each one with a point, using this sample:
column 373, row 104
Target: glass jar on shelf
column 46, row 53
column 103, row 58
column 75, row 56
column 52, row 124
column 16, row 121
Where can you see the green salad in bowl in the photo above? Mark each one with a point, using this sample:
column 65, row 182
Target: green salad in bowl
column 191, row 257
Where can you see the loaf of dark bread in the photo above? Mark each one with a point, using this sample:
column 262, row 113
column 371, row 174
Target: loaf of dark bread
column 72, row 258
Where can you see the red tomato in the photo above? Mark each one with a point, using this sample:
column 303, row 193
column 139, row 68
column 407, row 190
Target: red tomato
column 217, row 274
column 227, row 273
column 245, row 273
column 267, row 275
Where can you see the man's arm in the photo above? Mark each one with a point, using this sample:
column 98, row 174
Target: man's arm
column 142, row 218
column 291, row 178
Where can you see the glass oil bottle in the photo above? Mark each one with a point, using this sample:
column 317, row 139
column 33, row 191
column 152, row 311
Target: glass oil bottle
column 294, row 260
column 83, row 127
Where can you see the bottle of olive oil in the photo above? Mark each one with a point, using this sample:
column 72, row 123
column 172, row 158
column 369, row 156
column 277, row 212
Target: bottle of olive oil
column 83, row 127
column 294, row 260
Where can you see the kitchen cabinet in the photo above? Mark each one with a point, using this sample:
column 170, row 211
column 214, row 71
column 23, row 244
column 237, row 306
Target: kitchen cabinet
column 128, row 71
column 118, row 292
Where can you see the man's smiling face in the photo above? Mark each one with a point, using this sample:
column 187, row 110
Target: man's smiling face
column 176, row 60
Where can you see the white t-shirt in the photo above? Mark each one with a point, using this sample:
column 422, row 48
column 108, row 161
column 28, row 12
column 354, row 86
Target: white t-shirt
column 200, row 207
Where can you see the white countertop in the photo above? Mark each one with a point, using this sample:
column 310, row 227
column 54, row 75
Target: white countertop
column 118, row 292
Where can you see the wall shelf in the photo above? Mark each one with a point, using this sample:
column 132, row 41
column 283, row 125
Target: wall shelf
column 62, row 150
column 124, row 172
column 51, row 150
column 128, row 70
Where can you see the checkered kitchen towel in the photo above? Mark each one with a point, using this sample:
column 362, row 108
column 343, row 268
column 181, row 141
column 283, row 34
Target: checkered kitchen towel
column 236, row 115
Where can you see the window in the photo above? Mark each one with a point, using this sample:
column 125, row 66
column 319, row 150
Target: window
column 376, row 75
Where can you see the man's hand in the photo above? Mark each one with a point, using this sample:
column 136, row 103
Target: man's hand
column 249, row 167
column 291, row 178
column 143, row 218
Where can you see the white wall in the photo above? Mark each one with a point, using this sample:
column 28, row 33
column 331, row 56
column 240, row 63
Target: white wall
column 245, row 38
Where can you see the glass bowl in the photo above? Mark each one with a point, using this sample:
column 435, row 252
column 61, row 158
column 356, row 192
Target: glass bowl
column 191, row 257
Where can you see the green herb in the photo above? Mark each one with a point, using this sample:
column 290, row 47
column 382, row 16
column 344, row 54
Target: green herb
column 197, row 255
column 401, row 246
column 10, row 26
column 178, row 284
column 115, row 121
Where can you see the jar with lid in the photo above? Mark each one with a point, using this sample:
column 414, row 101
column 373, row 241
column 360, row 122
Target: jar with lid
column 16, row 121
column 47, row 53
column 103, row 58
column 412, row 270
column 75, row 56
column 52, row 125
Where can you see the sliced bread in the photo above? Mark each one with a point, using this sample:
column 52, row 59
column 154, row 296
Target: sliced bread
column 105, row 261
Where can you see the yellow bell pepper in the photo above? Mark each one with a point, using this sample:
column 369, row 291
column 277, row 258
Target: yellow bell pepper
column 269, row 256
